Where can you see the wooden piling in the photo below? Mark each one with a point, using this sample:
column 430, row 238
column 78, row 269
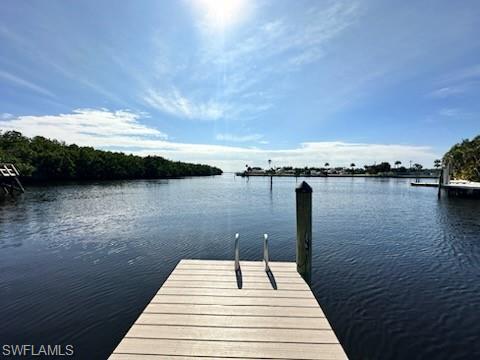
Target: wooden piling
column 440, row 181
column 304, row 231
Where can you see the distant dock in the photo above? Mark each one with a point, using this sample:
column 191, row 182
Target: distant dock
column 459, row 188
column 425, row 184
column 200, row 312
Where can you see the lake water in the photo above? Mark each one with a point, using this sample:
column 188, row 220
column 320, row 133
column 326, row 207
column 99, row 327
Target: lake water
column 396, row 270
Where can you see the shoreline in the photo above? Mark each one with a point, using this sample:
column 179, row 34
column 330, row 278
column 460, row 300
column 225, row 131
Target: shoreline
column 409, row 176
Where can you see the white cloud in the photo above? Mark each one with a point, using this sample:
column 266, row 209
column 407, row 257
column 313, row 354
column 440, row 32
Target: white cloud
column 25, row 84
column 240, row 138
column 175, row 104
column 233, row 158
column 122, row 131
column 5, row 116
column 88, row 127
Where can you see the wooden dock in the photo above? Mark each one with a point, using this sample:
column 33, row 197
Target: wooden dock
column 425, row 184
column 207, row 310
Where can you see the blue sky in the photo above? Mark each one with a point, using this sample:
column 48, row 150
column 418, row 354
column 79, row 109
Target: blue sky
column 236, row 82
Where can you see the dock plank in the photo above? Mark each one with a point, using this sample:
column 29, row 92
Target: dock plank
column 232, row 310
column 229, row 300
column 233, row 321
column 256, row 273
column 169, row 290
column 262, row 284
column 200, row 312
column 232, row 334
column 247, row 278
column 243, row 263
column 273, row 350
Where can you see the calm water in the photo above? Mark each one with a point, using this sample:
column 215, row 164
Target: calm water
column 396, row 270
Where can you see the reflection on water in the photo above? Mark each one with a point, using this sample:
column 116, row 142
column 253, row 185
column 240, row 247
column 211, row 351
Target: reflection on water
column 396, row 270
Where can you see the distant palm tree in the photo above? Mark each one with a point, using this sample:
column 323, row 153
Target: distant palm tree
column 269, row 163
column 352, row 165
column 417, row 166
column 398, row 163
column 327, row 164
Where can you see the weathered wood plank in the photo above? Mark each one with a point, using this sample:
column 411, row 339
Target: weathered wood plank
column 251, row 268
column 226, row 300
column 232, row 277
column 274, row 350
column 169, row 290
column 232, row 334
column 232, row 310
column 116, row 356
column 244, row 263
column 233, row 321
column 232, row 284
column 259, row 274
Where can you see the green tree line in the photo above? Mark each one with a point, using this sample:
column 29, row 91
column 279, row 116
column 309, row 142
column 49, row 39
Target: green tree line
column 464, row 158
column 39, row 158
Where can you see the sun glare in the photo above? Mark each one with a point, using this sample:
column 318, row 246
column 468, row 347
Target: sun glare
column 221, row 14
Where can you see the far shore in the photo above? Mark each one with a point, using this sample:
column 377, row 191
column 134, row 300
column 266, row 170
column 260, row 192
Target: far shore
column 404, row 176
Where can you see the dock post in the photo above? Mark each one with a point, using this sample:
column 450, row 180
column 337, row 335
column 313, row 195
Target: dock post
column 440, row 181
column 237, row 253
column 304, row 231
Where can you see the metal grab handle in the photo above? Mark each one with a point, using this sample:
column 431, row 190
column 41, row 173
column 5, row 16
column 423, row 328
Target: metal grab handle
column 265, row 251
column 237, row 253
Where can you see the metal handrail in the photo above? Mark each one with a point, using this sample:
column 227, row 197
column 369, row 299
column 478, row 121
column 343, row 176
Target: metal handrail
column 14, row 169
column 237, row 252
column 7, row 170
column 265, row 252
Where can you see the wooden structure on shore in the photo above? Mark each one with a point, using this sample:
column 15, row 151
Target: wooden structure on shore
column 452, row 187
column 9, row 179
column 217, row 309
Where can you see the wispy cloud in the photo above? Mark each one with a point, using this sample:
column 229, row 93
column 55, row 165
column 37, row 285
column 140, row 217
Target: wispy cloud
column 178, row 105
column 244, row 71
column 449, row 112
column 25, row 84
column 301, row 41
column 458, row 82
column 61, row 60
column 240, row 138
column 446, row 92
column 468, row 73
column 454, row 113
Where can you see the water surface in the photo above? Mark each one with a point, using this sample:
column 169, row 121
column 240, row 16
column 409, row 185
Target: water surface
column 396, row 270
